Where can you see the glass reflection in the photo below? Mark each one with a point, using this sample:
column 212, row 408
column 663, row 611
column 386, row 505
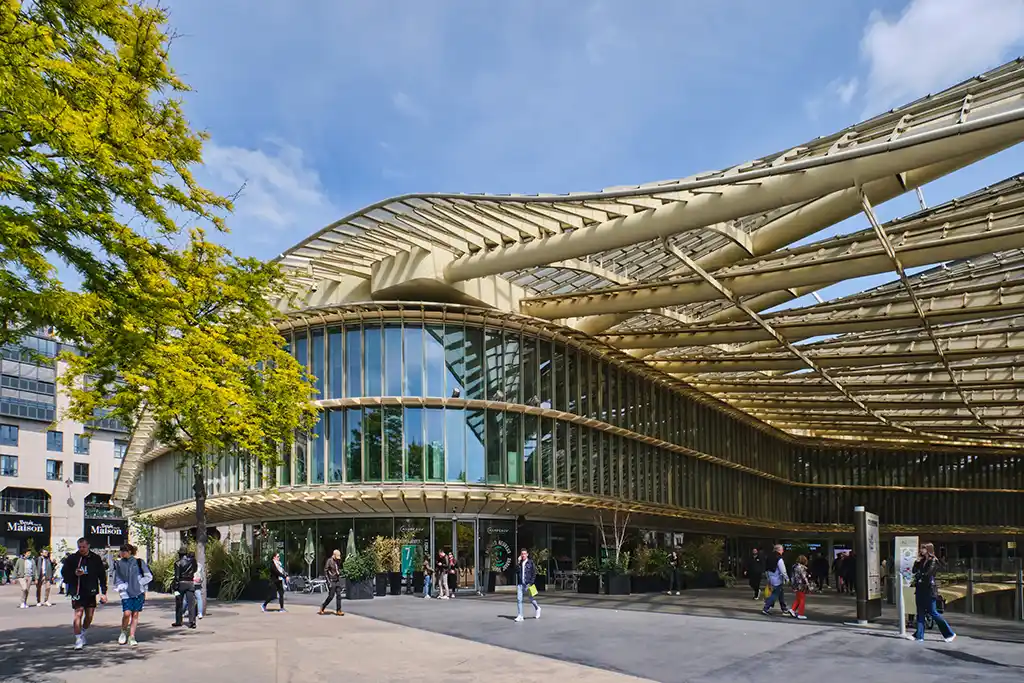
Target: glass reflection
column 413, row 426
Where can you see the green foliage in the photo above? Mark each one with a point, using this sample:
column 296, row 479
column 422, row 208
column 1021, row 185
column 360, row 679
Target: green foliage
column 541, row 557
column 386, row 553
column 648, row 561
column 236, row 572
column 30, row 545
column 704, row 555
column 613, row 565
column 63, row 548
column 95, row 152
column 3, row 551
column 588, row 566
column 163, row 571
column 359, row 567
column 143, row 529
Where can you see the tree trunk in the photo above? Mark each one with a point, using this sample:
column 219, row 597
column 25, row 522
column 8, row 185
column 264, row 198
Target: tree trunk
column 199, row 487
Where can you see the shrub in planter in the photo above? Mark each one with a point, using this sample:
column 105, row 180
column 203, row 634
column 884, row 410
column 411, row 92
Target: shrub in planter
column 616, row 575
column 589, row 580
column 380, row 584
column 395, row 583
column 359, row 572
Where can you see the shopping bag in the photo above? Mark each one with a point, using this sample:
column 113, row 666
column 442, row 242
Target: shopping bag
column 766, row 592
column 533, row 591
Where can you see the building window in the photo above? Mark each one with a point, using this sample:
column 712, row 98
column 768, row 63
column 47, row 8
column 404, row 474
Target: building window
column 8, row 435
column 55, row 441
column 120, row 448
column 54, row 470
column 81, row 444
column 8, row 465
column 81, row 473
column 117, row 471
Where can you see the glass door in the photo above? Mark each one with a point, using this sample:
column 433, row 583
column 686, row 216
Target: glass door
column 458, row 538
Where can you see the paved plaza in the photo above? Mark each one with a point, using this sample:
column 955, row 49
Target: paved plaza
column 472, row 639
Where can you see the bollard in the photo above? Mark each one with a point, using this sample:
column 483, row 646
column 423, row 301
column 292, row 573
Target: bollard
column 969, row 599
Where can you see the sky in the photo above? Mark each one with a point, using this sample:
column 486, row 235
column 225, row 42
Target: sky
column 321, row 107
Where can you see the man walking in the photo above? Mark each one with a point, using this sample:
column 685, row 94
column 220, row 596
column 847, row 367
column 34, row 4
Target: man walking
column 755, row 570
column 86, row 580
column 24, row 570
column 443, row 567
column 332, row 572
column 44, row 579
column 775, row 567
column 185, row 588
column 526, row 575
column 674, row 576
column 131, row 577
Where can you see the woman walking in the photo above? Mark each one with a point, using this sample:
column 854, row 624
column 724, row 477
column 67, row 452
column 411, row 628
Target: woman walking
column 277, row 578
column 332, row 573
column 442, row 575
column 801, row 586
column 926, row 590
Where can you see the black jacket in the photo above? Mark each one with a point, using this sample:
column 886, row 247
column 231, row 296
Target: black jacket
column 526, row 573
column 185, row 569
column 755, row 565
column 924, row 577
column 92, row 582
column 331, row 570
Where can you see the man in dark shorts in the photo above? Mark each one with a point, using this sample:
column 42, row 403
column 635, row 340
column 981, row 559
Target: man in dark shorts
column 86, row 579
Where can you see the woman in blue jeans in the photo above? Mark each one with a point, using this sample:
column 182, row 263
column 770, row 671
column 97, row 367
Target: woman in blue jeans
column 925, row 592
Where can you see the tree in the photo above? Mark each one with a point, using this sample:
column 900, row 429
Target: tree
column 618, row 535
column 95, row 153
column 196, row 354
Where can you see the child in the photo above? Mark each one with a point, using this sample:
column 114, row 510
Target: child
column 801, row 586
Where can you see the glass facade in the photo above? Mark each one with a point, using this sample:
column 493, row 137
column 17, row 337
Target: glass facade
column 502, row 407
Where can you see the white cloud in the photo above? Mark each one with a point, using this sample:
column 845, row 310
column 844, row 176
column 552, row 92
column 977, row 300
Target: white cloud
column 280, row 192
column 935, row 43
column 846, row 90
column 837, row 92
column 407, row 106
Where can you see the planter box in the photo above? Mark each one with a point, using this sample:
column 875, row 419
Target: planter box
column 359, row 590
column 380, row 585
column 395, row 583
column 417, row 583
column 257, row 589
column 705, row 580
column 589, row 584
column 492, row 581
column 541, row 582
column 213, row 590
column 616, row 584
column 648, row 584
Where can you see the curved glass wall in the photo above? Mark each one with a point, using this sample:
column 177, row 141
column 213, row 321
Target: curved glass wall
column 620, row 433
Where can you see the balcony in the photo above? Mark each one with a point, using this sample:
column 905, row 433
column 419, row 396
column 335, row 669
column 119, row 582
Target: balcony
column 23, row 505
column 103, row 512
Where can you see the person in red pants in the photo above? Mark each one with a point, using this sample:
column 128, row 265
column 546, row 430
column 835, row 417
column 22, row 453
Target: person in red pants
column 801, row 586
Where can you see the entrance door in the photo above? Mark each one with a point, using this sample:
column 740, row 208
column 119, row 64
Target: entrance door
column 458, row 537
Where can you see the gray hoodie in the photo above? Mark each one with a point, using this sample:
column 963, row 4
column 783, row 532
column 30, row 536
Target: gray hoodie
column 131, row 576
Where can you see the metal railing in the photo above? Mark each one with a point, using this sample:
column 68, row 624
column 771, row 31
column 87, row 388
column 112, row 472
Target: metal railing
column 24, row 506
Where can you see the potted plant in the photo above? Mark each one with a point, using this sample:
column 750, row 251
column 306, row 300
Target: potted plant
column 541, row 558
column 379, row 550
column 359, row 570
column 590, row 579
column 701, row 560
column 392, row 564
column 616, row 575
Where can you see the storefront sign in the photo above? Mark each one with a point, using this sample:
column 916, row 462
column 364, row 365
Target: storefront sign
column 106, row 533
column 501, row 556
column 906, row 554
column 15, row 526
column 874, row 559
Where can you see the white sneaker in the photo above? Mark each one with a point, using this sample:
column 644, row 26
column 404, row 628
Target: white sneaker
column 426, row 597
column 39, row 604
column 84, row 639
column 800, row 616
column 79, row 642
column 47, row 604
column 122, row 639
column 950, row 639
column 537, row 615
column 199, row 616
column 23, row 606
column 519, row 618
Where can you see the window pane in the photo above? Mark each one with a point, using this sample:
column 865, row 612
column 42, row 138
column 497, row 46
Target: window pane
column 495, row 446
column 512, row 383
column 413, row 340
column 546, row 394
column 495, row 363
column 286, row 466
column 372, row 444
column 354, row 361
column 434, row 362
column 393, row 442
column 435, row 444
column 301, row 444
column 55, row 442
column 474, row 363
column 513, row 448
column 529, row 372
column 316, row 452
column 454, row 354
column 372, row 355
column 455, row 443
column 335, row 363
column 337, row 438
column 302, row 349
column 530, row 459
column 546, row 454
column 392, row 360
column 317, row 362
column 413, row 426
column 354, row 449
column 475, row 446
column 558, row 376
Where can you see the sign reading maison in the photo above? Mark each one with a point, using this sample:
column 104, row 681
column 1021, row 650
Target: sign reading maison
column 106, row 533
column 15, row 526
column 25, row 526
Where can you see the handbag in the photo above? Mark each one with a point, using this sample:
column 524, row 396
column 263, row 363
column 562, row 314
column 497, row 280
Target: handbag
column 532, row 590
column 766, row 592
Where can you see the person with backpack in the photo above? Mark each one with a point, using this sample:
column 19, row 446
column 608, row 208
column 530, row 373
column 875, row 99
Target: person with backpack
column 86, row 580
column 332, row 573
column 131, row 578
column 775, row 568
column 926, row 592
column 801, row 587
column 185, row 588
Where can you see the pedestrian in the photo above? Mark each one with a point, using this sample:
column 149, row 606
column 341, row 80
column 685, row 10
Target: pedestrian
column 332, row 572
column 674, row 583
column 775, row 568
column 442, row 575
column 3, row 570
column 926, row 591
column 526, row 576
column 801, row 586
column 277, row 578
column 185, row 588
column 428, row 571
column 197, row 584
column 453, row 575
column 850, row 572
column 754, row 571
column 820, row 567
column 131, row 578
column 24, row 571
column 86, row 581
column 44, row 579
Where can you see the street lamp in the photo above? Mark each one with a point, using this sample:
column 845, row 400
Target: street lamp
column 71, row 500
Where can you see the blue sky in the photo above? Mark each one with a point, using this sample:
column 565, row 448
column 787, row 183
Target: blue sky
column 322, row 107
